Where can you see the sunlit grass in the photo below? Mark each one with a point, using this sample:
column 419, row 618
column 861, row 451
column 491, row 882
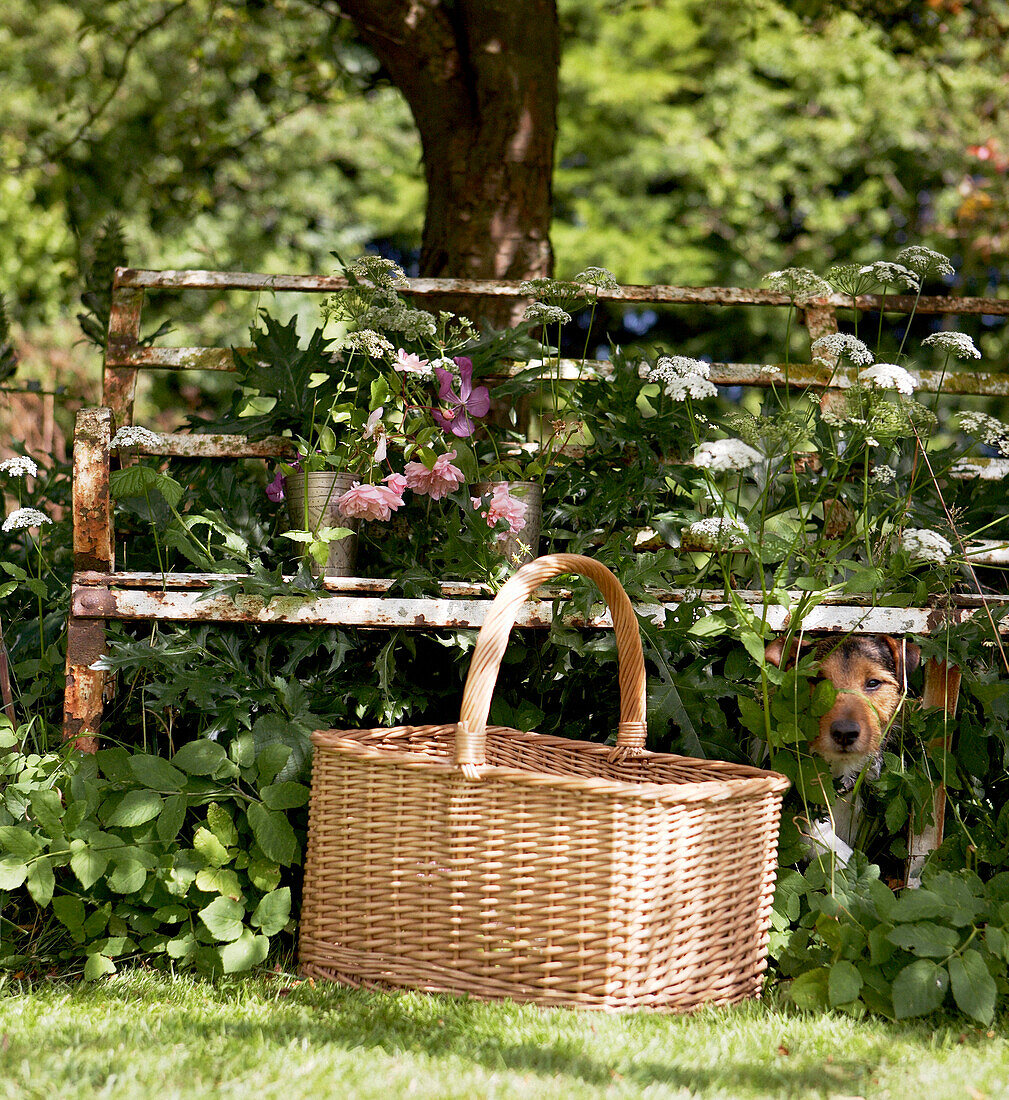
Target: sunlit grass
column 146, row 1035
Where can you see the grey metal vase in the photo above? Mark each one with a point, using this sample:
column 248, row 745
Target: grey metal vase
column 311, row 504
column 524, row 546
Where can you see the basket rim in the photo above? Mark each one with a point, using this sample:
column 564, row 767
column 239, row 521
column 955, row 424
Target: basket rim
column 741, row 781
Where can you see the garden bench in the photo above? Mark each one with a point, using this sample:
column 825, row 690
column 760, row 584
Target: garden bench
column 100, row 593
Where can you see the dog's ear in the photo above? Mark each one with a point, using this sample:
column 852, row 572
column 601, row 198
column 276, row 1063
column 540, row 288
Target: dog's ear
column 774, row 654
column 906, row 656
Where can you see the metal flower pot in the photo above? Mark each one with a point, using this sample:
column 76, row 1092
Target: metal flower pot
column 524, row 546
column 311, row 504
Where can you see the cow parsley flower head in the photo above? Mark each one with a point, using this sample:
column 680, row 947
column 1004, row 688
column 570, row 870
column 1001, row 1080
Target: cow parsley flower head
column 891, row 274
column 883, row 475
column 716, row 533
column 683, row 377
column 799, row 283
column 598, row 277
column 988, row 429
column 888, row 376
column 925, row 261
column 835, row 346
column 545, row 314
column 372, row 343
column 726, row 454
column 414, row 324
column 133, row 435
column 923, row 545
column 18, row 466
column 380, row 272
column 25, row 517
column 957, row 344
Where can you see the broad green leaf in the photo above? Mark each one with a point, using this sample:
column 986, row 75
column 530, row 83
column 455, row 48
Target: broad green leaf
column 925, row 938
column 271, row 761
column 171, row 914
column 171, row 817
column 273, row 834
column 708, row 626
column 69, row 910
column 87, row 863
column 156, row 773
column 220, row 880
column 19, row 841
column 273, row 912
column 974, row 988
column 135, row 808
column 212, row 850
column 98, row 966
column 128, row 876
column 13, row 872
column 920, row 904
column 47, row 810
column 223, row 918
column 221, row 824
column 264, row 875
column 182, row 947
column 844, row 983
column 919, row 989
column 246, row 952
column 285, row 796
column 810, row 990
column 201, row 757
column 41, row 881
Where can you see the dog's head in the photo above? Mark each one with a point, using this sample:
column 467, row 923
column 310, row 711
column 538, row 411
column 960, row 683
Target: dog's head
column 869, row 673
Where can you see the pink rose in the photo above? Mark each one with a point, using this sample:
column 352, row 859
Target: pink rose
column 412, row 364
column 370, row 501
column 504, row 506
column 437, row 482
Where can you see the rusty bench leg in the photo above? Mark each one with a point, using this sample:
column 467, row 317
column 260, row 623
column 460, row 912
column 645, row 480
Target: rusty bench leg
column 942, row 688
column 83, row 695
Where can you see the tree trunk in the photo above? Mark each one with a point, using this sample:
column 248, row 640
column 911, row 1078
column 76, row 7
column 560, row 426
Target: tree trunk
column 481, row 79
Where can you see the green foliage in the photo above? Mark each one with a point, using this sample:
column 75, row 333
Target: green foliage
column 180, row 861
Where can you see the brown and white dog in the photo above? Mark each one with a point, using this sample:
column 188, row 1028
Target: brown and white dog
column 869, row 673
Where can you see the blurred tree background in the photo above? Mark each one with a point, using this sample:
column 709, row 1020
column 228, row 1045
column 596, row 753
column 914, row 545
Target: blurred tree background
column 697, row 143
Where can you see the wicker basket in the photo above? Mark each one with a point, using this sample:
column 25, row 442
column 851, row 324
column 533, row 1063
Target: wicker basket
column 482, row 860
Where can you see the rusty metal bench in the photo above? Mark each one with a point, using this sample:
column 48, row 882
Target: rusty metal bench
column 100, row 593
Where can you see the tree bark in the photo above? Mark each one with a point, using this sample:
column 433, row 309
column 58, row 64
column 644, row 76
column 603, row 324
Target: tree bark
column 481, row 79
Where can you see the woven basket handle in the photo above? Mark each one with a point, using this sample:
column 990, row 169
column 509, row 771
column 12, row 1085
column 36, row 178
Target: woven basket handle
column 470, row 739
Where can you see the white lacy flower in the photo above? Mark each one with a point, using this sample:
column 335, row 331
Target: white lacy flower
column 598, row 277
column 883, row 475
column 25, row 517
column 379, row 271
column 799, row 283
column 18, row 466
column 987, row 428
column 957, row 344
column 770, row 371
column 890, row 274
column 370, row 342
column 714, row 534
column 888, row 376
column 414, row 324
column 924, row 545
column 839, row 345
column 545, row 314
column 726, row 454
column 923, row 260
column 683, row 377
column 132, row 435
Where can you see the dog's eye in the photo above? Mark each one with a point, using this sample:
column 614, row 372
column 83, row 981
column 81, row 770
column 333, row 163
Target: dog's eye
column 871, row 685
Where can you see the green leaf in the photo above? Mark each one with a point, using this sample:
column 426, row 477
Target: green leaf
column 896, row 813
column 752, row 714
column 47, row 810
column 41, row 881
column 212, row 850
column 156, row 773
column 844, row 983
column 708, row 626
column 13, row 872
column 128, row 876
column 920, row 904
column 925, row 938
column 221, row 824
column 201, row 757
column 69, row 911
column 273, row 912
column 219, row 880
column 223, row 918
column 919, row 989
column 285, row 796
column 264, row 875
column 135, row 808
column 88, row 864
column 974, row 988
column 823, row 698
column 271, row 761
column 273, row 834
column 810, row 990
column 19, row 841
column 182, row 947
column 171, row 817
column 246, row 952
column 98, row 966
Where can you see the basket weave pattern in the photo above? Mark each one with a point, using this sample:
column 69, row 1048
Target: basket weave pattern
column 483, row 860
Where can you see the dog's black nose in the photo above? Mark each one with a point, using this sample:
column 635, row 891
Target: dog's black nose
column 845, row 732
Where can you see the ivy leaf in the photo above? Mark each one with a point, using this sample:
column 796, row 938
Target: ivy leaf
column 264, row 875
column 69, row 911
column 273, row 911
column 974, row 988
column 247, row 951
column 223, row 918
column 273, row 834
column 919, row 989
column 47, row 810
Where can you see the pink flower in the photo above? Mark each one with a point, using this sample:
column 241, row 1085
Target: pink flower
column 275, row 490
column 437, row 482
column 470, row 401
column 412, row 364
column 503, row 506
column 375, row 429
column 394, row 487
column 371, row 501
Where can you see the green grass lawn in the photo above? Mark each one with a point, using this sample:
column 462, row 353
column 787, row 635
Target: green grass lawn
column 145, row 1035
